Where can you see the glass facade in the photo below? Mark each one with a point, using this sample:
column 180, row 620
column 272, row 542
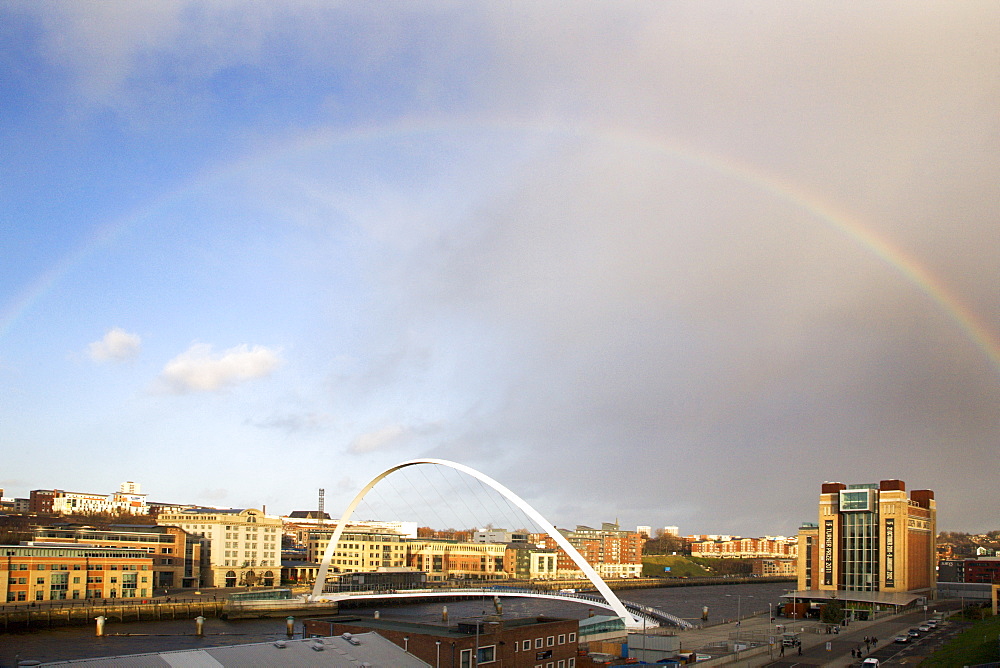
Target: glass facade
column 859, row 552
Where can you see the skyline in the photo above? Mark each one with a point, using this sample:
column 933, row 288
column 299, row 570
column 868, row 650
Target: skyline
column 684, row 262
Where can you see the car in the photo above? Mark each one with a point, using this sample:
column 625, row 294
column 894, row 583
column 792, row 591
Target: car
column 870, row 662
column 924, row 628
column 901, row 639
column 932, row 623
column 913, row 633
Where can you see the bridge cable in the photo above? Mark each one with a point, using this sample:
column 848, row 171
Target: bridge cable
column 437, row 490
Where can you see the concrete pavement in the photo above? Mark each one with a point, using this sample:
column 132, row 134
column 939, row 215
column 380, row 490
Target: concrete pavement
column 818, row 647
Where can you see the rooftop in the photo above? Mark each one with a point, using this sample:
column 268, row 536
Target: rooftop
column 463, row 628
column 358, row 650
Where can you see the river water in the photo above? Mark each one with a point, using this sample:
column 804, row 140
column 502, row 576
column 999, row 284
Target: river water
column 77, row 642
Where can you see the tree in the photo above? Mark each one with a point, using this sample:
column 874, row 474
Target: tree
column 666, row 543
column 832, row 613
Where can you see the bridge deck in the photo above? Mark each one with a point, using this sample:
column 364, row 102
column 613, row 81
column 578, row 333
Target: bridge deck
column 643, row 614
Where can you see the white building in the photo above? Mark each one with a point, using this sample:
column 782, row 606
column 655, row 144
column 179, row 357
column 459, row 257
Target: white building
column 127, row 499
column 241, row 548
column 500, row 536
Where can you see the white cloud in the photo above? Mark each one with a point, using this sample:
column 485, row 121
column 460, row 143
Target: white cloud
column 199, row 370
column 117, row 345
column 377, row 440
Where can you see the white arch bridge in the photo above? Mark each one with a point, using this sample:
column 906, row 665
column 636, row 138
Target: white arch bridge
column 644, row 615
column 634, row 616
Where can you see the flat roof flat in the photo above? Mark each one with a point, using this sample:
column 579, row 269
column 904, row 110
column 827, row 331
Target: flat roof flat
column 883, row 597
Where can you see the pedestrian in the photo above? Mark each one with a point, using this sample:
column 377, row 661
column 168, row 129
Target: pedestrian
column 854, row 653
column 800, row 649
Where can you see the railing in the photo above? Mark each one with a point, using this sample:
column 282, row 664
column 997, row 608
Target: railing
column 653, row 615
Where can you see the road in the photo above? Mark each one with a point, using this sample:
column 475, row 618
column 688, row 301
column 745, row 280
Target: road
column 835, row 650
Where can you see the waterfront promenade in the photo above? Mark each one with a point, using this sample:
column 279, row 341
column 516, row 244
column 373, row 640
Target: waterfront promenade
column 819, row 648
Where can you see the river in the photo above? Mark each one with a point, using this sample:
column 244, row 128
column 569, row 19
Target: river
column 77, row 642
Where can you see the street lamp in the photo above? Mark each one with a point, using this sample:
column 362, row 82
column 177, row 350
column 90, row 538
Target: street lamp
column 739, row 606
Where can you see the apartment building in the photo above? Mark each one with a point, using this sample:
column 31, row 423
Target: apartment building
column 54, row 572
column 240, row 547
column 773, row 547
column 128, row 499
column 525, row 561
column 611, row 551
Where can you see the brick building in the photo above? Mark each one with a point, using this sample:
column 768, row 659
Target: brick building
column 527, row 641
column 612, row 552
column 53, row 572
column 176, row 555
column 873, row 545
column 774, row 547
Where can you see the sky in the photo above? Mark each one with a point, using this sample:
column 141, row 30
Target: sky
column 674, row 264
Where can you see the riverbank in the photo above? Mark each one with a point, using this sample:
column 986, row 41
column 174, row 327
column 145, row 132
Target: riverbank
column 50, row 614
column 75, row 613
column 80, row 641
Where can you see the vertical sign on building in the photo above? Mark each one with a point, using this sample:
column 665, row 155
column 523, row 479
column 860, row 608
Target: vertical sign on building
column 890, row 552
column 828, row 553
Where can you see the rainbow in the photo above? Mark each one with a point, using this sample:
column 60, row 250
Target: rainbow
column 783, row 189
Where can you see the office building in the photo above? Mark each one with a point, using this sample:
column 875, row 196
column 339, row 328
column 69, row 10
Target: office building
column 240, row 547
column 175, row 554
column 359, row 550
column 58, row 571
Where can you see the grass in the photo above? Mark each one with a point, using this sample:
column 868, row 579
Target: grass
column 977, row 644
column 653, row 565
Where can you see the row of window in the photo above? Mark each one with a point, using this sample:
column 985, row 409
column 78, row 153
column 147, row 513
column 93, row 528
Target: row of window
column 248, row 562
column 488, row 654
column 550, row 641
column 79, row 567
column 91, row 579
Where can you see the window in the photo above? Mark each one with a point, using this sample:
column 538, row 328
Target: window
column 538, row 643
column 486, row 654
column 562, row 639
column 466, row 659
column 571, row 662
column 572, row 637
column 550, row 641
column 561, row 664
column 526, row 645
